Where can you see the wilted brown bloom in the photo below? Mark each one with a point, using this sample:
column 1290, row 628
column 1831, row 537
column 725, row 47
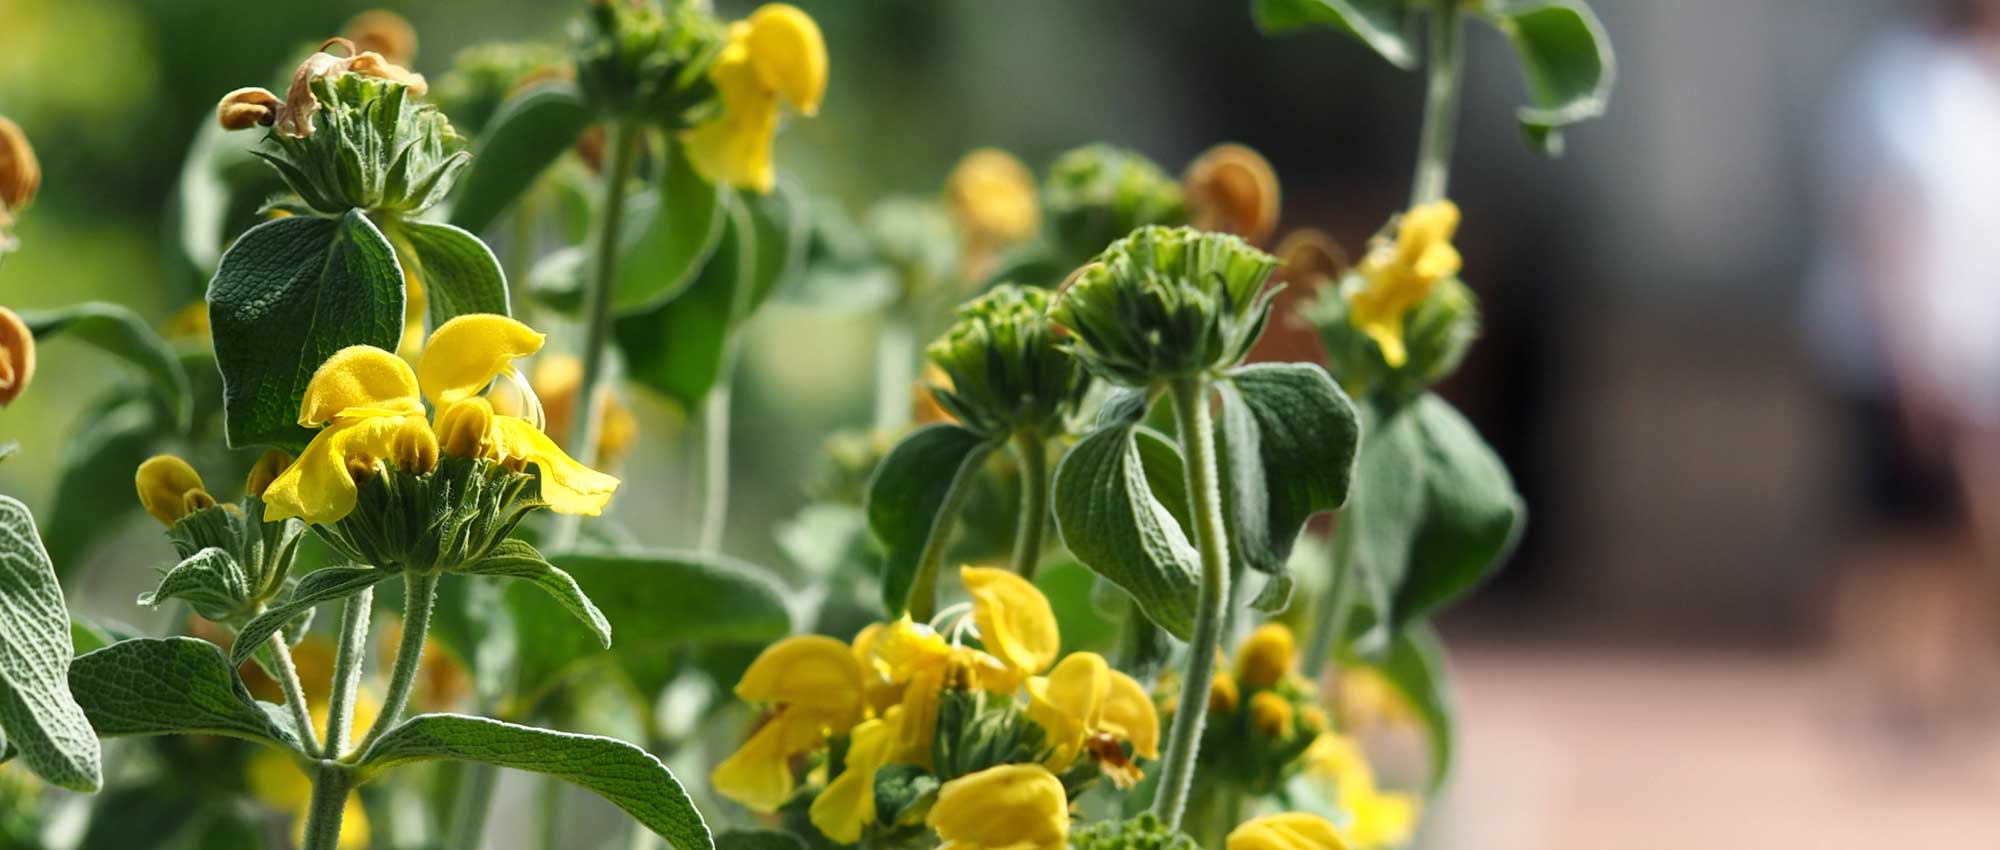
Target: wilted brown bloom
column 17, row 356
column 295, row 116
column 247, row 107
column 1232, row 189
column 1310, row 256
column 20, row 173
column 385, row 32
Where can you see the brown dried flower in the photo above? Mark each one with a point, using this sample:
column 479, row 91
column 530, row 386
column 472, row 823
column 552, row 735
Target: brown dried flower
column 1232, row 189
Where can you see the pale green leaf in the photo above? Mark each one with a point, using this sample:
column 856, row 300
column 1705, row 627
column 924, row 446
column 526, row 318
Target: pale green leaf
column 120, row 332
column 38, row 715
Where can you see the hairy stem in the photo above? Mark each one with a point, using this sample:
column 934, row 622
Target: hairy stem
column 295, row 694
column 419, row 596
column 1032, row 524
column 715, row 463
column 331, row 783
column 923, row 588
column 470, row 805
column 1440, row 104
column 1197, row 439
column 347, row 658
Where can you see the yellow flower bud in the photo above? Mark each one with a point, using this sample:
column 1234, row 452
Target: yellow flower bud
column 1266, row 657
column 1313, row 718
column 413, row 448
column 1222, row 694
column 1271, row 715
column 1286, row 831
column 1010, row 807
column 20, row 172
column 465, row 429
column 993, row 195
column 1232, row 189
column 17, row 354
column 170, row 489
column 247, row 107
column 268, row 466
column 385, row 32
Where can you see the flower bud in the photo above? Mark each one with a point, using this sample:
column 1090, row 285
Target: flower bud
column 268, row 467
column 1266, row 656
column 993, row 196
column 1271, row 715
column 1223, row 696
column 414, row 449
column 384, row 32
column 465, row 429
column 1167, row 303
column 248, row 107
column 20, row 172
column 1232, row 189
column 635, row 59
column 17, row 356
column 170, row 489
column 1098, row 193
column 1007, row 369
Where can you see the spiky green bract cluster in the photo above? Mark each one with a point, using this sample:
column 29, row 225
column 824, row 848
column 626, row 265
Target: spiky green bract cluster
column 1144, row 832
column 1166, row 303
column 1009, row 371
column 483, row 75
column 637, row 60
column 231, row 561
column 1097, row 193
column 453, row 516
column 375, row 147
column 1436, row 334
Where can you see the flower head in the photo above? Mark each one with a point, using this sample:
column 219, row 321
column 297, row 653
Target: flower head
column 170, row 489
column 1083, row 704
column 1286, row 831
column 814, row 684
column 1098, row 193
column 993, row 196
column 17, row 348
column 1164, row 302
column 1009, row 807
column 1398, row 274
column 1266, row 657
column 1005, row 366
column 775, row 53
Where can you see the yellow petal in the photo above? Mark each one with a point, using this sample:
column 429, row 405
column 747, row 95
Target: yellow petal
column 465, row 353
column 759, row 775
column 789, row 54
column 1265, row 657
column 1015, row 620
column 735, row 147
column 465, row 429
column 164, row 482
column 1069, row 702
column 848, row 803
column 1010, row 807
column 359, row 380
column 568, row 486
column 816, row 672
column 1436, row 263
column 1271, row 715
column 319, row 487
column 1129, row 714
column 1381, row 820
column 1286, row 831
column 919, row 709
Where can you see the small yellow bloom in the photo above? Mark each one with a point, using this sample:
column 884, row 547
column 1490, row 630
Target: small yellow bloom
column 17, row 346
column 993, row 195
column 1265, row 657
column 916, row 658
column 1397, row 275
column 1085, row 702
column 1271, row 715
column 1286, row 831
column 1010, row 807
column 170, row 489
column 776, row 52
column 1223, row 697
column 816, row 685
column 1377, row 819
column 848, row 803
column 1016, row 622
column 268, row 466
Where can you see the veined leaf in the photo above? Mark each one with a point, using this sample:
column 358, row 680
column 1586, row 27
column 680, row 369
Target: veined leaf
column 120, row 332
column 906, row 496
column 626, row 776
column 316, row 587
column 458, row 272
column 170, row 686
column 758, row 839
column 516, row 559
column 526, row 135
column 1111, row 520
column 680, row 227
column 1567, row 59
column 38, row 716
column 1288, row 439
column 680, row 348
column 1384, row 25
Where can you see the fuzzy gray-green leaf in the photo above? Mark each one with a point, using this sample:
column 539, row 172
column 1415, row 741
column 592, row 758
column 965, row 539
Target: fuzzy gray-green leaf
column 905, row 496
column 1288, row 441
column 38, row 715
column 118, row 331
column 169, row 686
column 1568, row 62
column 517, row 559
column 1111, row 520
column 210, row 580
column 528, row 133
column 318, row 586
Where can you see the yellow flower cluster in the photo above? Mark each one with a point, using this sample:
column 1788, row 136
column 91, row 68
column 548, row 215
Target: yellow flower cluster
column 1376, row 818
column 367, row 403
column 1398, row 274
column 882, row 693
column 776, row 52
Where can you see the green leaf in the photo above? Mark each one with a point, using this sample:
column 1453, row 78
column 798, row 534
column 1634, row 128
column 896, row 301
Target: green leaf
column 1568, row 62
column 170, row 686
column 906, row 493
column 626, row 776
column 120, row 332
column 516, row 559
column 679, row 349
column 758, row 839
column 38, row 716
column 1288, row 441
column 459, row 273
column 682, row 227
column 94, row 478
column 318, row 586
column 1415, row 665
column 525, row 136
column 210, row 580
column 1387, row 26
column 782, row 237
column 287, row 296
column 1111, row 520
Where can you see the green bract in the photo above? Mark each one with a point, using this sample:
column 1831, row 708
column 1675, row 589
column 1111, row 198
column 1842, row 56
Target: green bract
column 1165, row 302
column 231, row 561
column 450, row 517
column 373, row 147
column 1097, row 193
column 1008, row 370
column 634, row 59
column 1144, row 832
column 1437, row 335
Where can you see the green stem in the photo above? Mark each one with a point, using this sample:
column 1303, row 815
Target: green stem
column 331, row 783
column 419, row 596
column 470, row 805
column 347, row 658
column 295, row 694
column 923, row 588
column 715, row 464
column 550, row 799
column 1033, row 458
column 1331, row 626
column 1196, row 430
column 1440, row 104
column 895, row 372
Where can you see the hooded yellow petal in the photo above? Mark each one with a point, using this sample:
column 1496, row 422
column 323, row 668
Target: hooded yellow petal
column 1286, row 831
column 319, row 487
column 568, row 486
column 1129, row 714
column 789, row 54
column 359, row 380
column 810, row 671
column 735, row 147
column 848, row 803
column 167, row 486
column 1069, row 703
column 1010, row 807
column 759, row 775
column 467, row 352
column 1015, row 620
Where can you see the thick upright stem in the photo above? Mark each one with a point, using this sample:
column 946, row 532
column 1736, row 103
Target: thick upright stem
column 923, row 588
column 1440, row 104
column 469, row 807
column 1197, row 438
column 295, row 694
column 331, row 783
column 895, row 372
column 1033, row 459
column 715, row 464
column 347, row 658
column 419, row 596
column 1331, row 614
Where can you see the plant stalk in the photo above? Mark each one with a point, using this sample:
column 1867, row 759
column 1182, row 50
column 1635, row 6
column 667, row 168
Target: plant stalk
column 895, row 372
column 923, row 588
column 295, row 694
column 331, row 783
column 1331, row 616
column 715, row 461
column 1033, row 457
column 419, row 596
column 1440, row 104
column 347, row 658
column 1196, row 429
column 470, row 806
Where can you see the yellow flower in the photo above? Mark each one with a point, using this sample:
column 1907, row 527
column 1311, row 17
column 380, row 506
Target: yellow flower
column 993, row 195
column 1083, row 702
column 815, row 684
column 1286, row 831
column 923, row 663
column 1398, row 274
column 170, row 489
column 776, row 52
column 1271, row 715
column 1223, row 697
column 1016, row 622
column 1010, row 807
column 1377, row 819
column 848, row 803
column 1265, row 657
column 17, row 345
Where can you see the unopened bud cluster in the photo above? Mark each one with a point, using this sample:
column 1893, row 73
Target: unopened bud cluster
column 232, row 562
column 639, row 60
column 1166, row 303
column 1008, row 370
column 1097, row 193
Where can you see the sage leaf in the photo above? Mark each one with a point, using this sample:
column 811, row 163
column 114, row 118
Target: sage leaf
column 680, row 349
column 626, row 776
column 118, row 331
column 516, row 559
column 1567, row 60
column 94, row 478
column 1110, row 518
column 289, row 294
column 1386, row 26
column 170, row 686
column 906, row 495
column 316, row 587
column 38, row 716
column 758, row 839
column 459, row 273
column 210, row 580
column 680, row 228
column 1288, row 440
column 525, row 136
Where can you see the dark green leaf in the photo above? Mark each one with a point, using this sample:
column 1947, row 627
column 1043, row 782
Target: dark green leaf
column 516, row 559
column 287, row 296
column 1385, row 25
column 1288, row 439
column 782, row 235
column 905, row 496
column 630, row 778
column 1568, row 62
column 1415, row 665
column 679, row 227
column 120, row 332
column 169, row 686
column 679, row 349
column 758, row 839
column 38, row 716
column 1111, row 520
column 210, row 580
column 459, row 273
column 528, row 133
column 318, row 586
column 94, row 477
